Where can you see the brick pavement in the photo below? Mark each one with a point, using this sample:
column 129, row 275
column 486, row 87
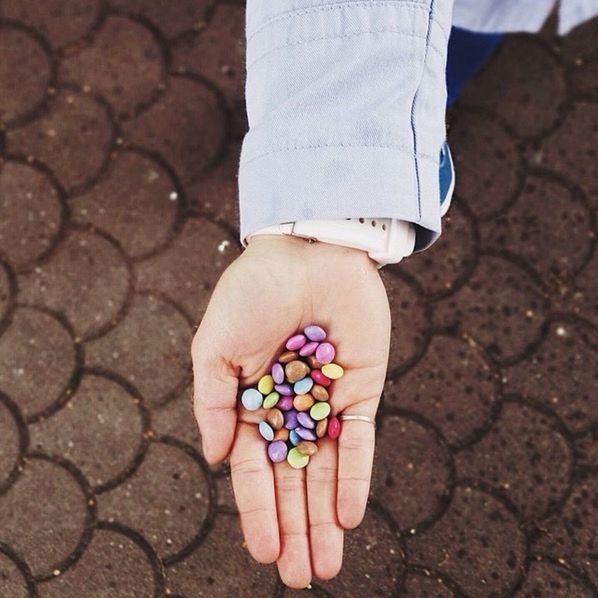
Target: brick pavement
column 121, row 127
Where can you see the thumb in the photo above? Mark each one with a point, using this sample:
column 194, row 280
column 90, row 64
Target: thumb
column 214, row 402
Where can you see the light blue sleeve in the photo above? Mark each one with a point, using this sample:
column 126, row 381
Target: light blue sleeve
column 346, row 107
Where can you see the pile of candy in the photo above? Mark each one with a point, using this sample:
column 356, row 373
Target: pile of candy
column 296, row 396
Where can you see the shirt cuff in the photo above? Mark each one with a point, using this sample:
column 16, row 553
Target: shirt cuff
column 345, row 103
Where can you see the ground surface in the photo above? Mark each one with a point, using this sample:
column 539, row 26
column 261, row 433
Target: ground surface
column 121, row 128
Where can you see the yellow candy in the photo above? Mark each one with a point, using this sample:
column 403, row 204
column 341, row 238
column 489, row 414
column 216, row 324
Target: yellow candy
column 332, row 371
column 266, row 384
column 296, row 459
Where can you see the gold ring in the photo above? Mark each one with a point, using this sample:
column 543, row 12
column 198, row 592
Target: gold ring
column 359, row 418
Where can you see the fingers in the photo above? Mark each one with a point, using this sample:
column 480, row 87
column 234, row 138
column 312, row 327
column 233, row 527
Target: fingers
column 294, row 563
column 326, row 534
column 214, row 404
column 253, row 485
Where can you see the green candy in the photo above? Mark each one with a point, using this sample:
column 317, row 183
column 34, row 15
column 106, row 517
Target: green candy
column 296, row 459
column 320, row 411
column 271, row 400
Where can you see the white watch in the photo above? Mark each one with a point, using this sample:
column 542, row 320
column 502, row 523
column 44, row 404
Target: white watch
column 386, row 240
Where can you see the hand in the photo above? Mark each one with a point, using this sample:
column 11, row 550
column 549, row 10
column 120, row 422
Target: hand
column 278, row 286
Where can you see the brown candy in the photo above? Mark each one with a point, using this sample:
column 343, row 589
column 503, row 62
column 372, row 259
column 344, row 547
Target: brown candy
column 313, row 363
column 322, row 427
column 282, row 434
column 288, row 356
column 275, row 418
column 305, row 447
column 295, row 370
column 303, row 402
column 319, row 393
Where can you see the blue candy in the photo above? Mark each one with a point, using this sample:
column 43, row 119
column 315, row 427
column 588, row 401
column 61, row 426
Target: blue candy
column 266, row 431
column 303, row 386
column 294, row 438
column 252, row 399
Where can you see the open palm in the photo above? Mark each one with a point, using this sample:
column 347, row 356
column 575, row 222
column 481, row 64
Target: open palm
column 278, row 286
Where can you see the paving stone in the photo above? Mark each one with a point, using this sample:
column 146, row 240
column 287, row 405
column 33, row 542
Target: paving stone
column 586, row 448
column 153, row 337
column 99, row 430
column 123, row 63
column 172, row 18
column 36, row 351
column 525, row 457
column 167, row 500
column 522, row 79
column 456, row 394
column 547, row 579
column 421, row 585
column 499, row 307
column 409, row 322
column 562, row 375
column 72, row 138
column 412, row 472
column 135, row 201
column 30, row 214
column 218, row 52
column 221, row 566
column 186, row 126
column 444, row 266
column 44, row 532
column 487, row 160
column 538, row 228
column 12, row 581
column 569, row 536
column 112, row 565
column 60, row 21
column 24, row 75
column 585, row 80
column 175, row 418
column 5, row 292
column 584, row 299
column 86, row 279
column 477, row 543
column 188, row 270
column 9, row 448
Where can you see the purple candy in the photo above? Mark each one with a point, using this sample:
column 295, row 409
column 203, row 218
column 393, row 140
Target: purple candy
column 285, row 403
column 278, row 373
column 305, row 433
column 290, row 419
column 284, row 389
column 296, row 342
column 325, row 353
column 277, row 451
column 305, row 420
column 308, row 349
column 314, row 333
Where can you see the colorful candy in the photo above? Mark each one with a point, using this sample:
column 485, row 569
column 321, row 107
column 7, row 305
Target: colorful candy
column 295, row 395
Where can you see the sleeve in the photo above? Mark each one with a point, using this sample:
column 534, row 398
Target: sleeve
column 346, row 107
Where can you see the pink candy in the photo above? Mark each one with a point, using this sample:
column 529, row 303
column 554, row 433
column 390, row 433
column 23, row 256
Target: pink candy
column 296, row 342
column 325, row 353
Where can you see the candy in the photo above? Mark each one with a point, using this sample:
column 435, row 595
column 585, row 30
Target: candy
column 305, row 433
column 277, row 451
column 295, row 370
column 284, row 389
column 277, row 373
column 318, row 392
column 320, row 378
column 288, row 356
column 275, row 418
column 313, row 363
column 321, row 428
column 325, row 353
column 305, row 421
column 285, row 403
column 296, row 342
column 334, row 428
column 303, row 402
column 308, row 349
column 305, row 447
column 271, row 400
column 303, row 386
column 282, row 434
column 320, row 411
column 294, row 438
column 266, row 431
column 296, row 459
column 266, row 384
column 252, row 399
column 314, row 333
column 332, row 371
column 290, row 419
